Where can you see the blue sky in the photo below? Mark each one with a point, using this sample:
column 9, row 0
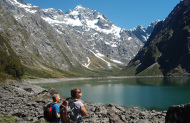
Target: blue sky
column 123, row 13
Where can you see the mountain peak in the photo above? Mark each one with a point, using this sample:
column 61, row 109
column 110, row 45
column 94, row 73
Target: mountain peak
column 85, row 36
column 21, row 1
column 139, row 27
column 166, row 52
column 154, row 23
column 79, row 7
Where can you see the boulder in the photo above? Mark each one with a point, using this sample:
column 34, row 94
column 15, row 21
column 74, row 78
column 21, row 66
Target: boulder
column 53, row 91
column 178, row 114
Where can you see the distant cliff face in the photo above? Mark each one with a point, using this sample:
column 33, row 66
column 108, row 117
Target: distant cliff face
column 167, row 51
column 81, row 41
column 143, row 33
column 95, row 32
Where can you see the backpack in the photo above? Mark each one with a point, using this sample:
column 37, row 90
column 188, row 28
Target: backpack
column 48, row 112
column 69, row 112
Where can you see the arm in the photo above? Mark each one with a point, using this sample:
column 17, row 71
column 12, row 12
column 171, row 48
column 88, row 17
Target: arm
column 84, row 111
column 57, row 115
column 57, row 112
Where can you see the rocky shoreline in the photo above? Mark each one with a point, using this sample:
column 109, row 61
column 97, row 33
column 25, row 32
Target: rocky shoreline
column 25, row 101
column 55, row 80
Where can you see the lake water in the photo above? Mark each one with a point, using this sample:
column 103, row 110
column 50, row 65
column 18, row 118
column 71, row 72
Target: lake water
column 151, row 93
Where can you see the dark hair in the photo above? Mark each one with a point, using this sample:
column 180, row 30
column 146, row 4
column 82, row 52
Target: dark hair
column 75, row 91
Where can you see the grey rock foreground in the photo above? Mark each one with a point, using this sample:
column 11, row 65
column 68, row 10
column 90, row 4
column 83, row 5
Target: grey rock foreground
column 25, row 101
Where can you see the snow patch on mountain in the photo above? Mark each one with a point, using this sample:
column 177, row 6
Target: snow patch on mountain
column 116, row 61
column 85, row 29
column 28, row 7
column 88, row 63
column 76, row 18
column 114, row 29
column 100, row 56
column 129, row 38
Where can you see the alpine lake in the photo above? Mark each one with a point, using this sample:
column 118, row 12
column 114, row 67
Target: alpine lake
column 151, row 93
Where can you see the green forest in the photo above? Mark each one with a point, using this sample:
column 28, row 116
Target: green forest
column 10, row 64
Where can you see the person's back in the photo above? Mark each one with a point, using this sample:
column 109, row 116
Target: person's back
column 76, row 94
column 76, row 107
column 77, row 116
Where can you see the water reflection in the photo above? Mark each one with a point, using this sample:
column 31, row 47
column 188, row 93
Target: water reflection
column 152, row 93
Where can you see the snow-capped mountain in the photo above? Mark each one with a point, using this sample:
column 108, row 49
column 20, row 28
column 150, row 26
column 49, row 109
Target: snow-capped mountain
column 81, row 17
column 143, row 33
column 95, row 29
column 50, row 38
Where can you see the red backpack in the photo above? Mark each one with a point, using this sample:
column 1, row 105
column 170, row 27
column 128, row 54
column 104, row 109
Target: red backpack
column 48, row 112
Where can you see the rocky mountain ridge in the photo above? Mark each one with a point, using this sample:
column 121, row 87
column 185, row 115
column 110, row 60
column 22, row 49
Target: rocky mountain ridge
column 167, row 49
column 80, row 41
column 143, row 33
column 101, row 36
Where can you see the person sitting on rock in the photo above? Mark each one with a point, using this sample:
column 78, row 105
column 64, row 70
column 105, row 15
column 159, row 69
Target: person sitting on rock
column 72, row 109
column 76, row 94
column 55, row 108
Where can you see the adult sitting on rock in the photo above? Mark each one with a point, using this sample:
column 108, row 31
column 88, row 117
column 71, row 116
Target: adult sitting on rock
column 72, row 109
column 76, row 93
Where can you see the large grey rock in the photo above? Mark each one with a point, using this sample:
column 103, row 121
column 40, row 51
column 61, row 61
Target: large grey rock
column 178, row 114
